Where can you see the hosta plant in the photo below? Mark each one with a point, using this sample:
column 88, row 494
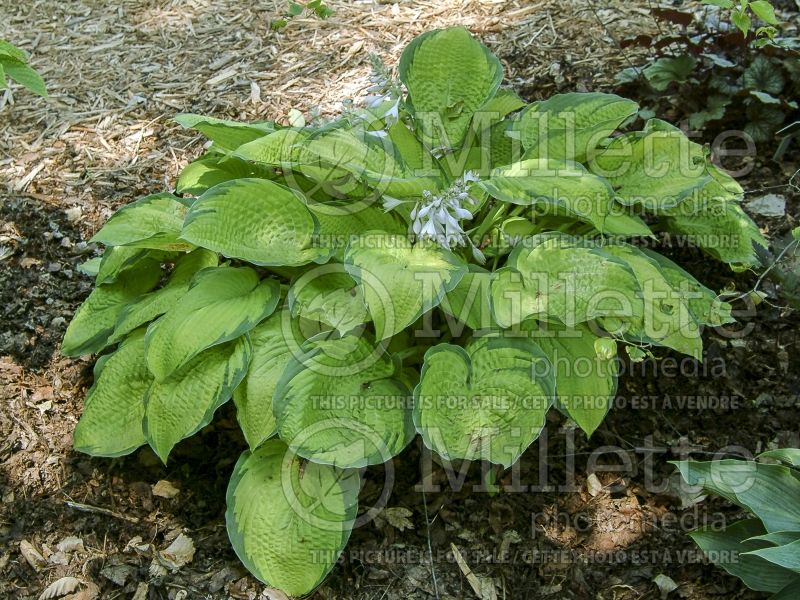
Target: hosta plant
column 450, row 262
column 763, row 550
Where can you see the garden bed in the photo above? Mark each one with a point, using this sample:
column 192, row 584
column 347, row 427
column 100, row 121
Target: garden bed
column 116, row 74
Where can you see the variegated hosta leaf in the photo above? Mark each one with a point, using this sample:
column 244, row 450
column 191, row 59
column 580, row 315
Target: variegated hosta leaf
column 283, row 148
column 255, row 220
column 212, row 169
column 186, row 401
column 341, row 403
column 411, row 151
column 561, row 188
column 339, row 223
column 226, row 135
column 275, row 342
column 111, row 423
column 96, row 318
column 487, row 401
column 721, row 228
column 570, row 126
column 585, row 369
column 705, row 305
column 503, row 103
column 665, row 318
column 328, row 294
column 288, row 520
column 469, row 302
column 147, row 307
column 118, row 259
column 399, row 281
column 367, row 158
column 351, row 150
column 449, row 75
column 658, row 168
column 558, row 278
column 150, row 222
column 222, row 303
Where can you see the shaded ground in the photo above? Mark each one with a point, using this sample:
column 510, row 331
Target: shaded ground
column 116, row 74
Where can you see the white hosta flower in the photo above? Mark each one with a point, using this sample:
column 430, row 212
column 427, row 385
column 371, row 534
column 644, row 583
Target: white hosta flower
column 439, row 217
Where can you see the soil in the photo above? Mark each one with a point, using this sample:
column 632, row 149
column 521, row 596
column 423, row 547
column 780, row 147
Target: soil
column 597, row 518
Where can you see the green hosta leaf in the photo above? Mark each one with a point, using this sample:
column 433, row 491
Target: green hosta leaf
column 554, row 277
column 341, row 403
column 275, row 342
column 503, row 150
column 208, row 171
column 487, row 401
column 665, row 318
column 554, row 187
column 586, row 380
column 770, row 492
column 663, row 71
column 656, row 168
column 154, row 304
column 705, row 306
column 339, row 223
column 449, row 76
column 469, row 302
column 719, row 227
column 221, row 304
column 789, row 592
column 289, row 521
column 619, row 222
column 111, row 423
column 329, row 295
column 409, row 149
column 789, row 456
column 185, row 402
column 763, row 76
column 23, row 75
column 570, row 126
column 786, row 556
column 150, row 222
column 283, row 148
column 90, row 267
column 94, row 321
column 351, row 150
column 226, row 135
column 399, row 281
column 255, row 220
column 118, row 259
column 779, row 538
column 504, row 103
column 729, row 549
